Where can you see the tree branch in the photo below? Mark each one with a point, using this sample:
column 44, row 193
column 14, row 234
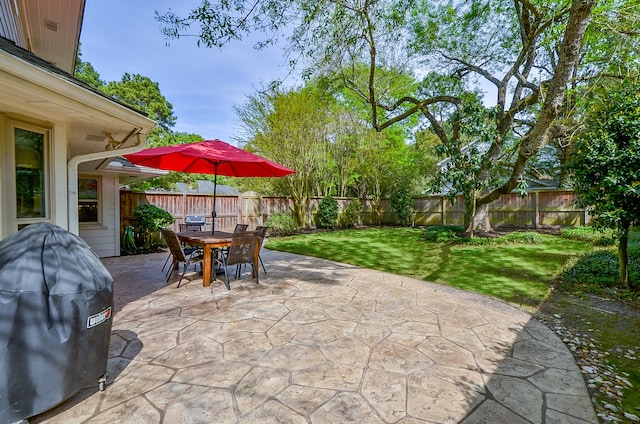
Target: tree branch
column 539, row 136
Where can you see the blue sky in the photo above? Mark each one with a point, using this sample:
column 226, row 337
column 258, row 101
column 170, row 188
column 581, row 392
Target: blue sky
column 203, row 84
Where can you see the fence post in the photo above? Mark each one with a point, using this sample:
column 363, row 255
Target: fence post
column 184, row 206
column 585, row 217
column 443, row 205
column 536, row 210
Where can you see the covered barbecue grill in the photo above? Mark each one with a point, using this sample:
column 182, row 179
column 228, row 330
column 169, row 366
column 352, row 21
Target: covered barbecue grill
column 194, row 222
column 56, row 301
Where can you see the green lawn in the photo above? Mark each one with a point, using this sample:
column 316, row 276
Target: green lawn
column 517, row 273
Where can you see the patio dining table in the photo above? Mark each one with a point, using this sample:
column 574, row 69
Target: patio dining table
column 210, row 243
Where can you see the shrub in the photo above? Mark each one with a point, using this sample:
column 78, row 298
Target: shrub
column 350, row 217
column 328, row 212
column 518, row 237
column 594, row 269
column 442, row 233
column 402, row 204
column 281, row 224
column 599, row 270
column 598, row 237
column 148, row 220
column 522, row 237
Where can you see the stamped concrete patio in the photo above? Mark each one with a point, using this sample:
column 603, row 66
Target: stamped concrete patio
column 323, row 342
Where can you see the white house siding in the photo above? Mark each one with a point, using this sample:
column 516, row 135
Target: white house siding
column 104, row 237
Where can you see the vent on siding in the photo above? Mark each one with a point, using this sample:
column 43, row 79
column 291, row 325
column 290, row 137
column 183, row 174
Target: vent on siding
column 53, row 26
column 93, row 137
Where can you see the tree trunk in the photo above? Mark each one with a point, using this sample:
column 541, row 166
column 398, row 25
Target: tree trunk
column 480, row 221
column 299, row 210
column 623, row 258
column 476, row 217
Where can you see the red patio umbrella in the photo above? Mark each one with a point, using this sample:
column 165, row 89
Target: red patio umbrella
column 209, row 157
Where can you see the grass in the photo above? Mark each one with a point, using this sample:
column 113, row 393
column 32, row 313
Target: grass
column 516, row 272
column 569, row 278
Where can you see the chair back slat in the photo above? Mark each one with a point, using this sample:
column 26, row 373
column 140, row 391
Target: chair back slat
column 240, row 228
column 174, row 244
column 242, row 248
column 262, row 232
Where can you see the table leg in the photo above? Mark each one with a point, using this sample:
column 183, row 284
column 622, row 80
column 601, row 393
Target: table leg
column 256, row 264
column 206, row 266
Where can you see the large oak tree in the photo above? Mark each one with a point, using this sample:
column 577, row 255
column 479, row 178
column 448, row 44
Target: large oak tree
column 528, row 51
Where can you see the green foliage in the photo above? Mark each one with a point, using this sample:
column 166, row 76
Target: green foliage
column 606, row 159
column 350, row 217
column 168, row 138
column 291, row 128
column 402, row 204
column 517, row 237
column 85, row 71
column 606, row 163
column 598, row 271
column 148, row 220
column 319, row 130
column 459, row 47
column 448, row 233
column 442, row 233
column 143, row 94
column 281, row 224
column 151, row 217
column 473, row 126
column 599, row 237
column 328, row 212
column 523, row 237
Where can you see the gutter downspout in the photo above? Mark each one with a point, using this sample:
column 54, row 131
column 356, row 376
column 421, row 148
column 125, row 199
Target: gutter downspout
column 72, row 176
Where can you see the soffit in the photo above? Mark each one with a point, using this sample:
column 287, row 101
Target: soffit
column 35, row 93
column 53, row 29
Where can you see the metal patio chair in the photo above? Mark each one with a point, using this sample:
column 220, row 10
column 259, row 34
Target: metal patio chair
column 180, row 255
column 242, row 250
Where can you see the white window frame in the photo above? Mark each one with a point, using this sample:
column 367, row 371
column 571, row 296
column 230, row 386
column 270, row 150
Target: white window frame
column 46, row 163
column 97, row 201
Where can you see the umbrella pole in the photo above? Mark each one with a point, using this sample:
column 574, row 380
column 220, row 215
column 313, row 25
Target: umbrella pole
column 213, row 214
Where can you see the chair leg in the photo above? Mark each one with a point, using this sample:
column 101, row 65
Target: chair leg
column 262, row 263
column 182, row 276
column 166, row 261
column 226, row 275
column 171, row 269
column 226, row 279
column 167, row 273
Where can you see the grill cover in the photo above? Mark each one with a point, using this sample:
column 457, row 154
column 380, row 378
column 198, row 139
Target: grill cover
column 56, row 300
column 195, row 219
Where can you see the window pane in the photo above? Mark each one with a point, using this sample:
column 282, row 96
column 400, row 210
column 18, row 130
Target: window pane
column 88, row 188
column 87, row 212
column 30, row 178
column 87, row 199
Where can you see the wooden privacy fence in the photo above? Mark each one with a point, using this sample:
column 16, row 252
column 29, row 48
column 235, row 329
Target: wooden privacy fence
column 541, row 209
